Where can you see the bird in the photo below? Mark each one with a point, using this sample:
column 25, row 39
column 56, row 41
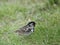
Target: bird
column 27, row 29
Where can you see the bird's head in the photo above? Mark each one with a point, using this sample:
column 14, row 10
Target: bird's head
column 32, row 23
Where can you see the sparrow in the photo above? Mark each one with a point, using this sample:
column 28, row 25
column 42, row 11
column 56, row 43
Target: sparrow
column 27, row 29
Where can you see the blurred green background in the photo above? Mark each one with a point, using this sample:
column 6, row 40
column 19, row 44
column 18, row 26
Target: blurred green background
column 16, row 13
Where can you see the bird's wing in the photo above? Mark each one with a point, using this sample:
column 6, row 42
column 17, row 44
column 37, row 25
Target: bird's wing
column 23, row 29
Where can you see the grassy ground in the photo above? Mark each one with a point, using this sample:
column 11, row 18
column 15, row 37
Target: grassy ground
column 15, row 14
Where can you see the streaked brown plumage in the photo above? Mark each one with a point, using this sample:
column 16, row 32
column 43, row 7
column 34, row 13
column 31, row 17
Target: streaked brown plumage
column 26, row 30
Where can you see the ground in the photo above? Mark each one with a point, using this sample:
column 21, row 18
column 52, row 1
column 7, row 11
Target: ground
column 14, row 14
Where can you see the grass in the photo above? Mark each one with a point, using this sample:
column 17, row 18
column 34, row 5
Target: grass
column 14, row 15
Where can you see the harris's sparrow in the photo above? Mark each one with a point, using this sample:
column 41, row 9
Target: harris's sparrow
column 26, row 30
